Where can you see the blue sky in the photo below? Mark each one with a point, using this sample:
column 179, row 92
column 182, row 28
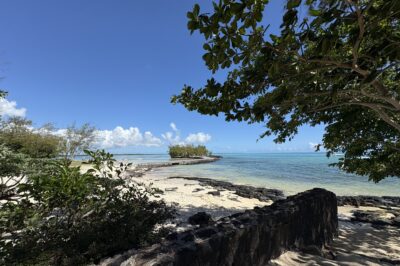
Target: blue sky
column 116, row 64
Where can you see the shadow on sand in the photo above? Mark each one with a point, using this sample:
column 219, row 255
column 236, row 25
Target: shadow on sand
column 357, row 245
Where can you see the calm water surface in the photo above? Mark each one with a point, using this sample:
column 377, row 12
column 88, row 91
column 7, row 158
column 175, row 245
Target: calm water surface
column 290, row 172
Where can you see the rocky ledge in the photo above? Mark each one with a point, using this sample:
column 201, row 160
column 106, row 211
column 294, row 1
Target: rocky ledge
column 370, row 201
column 182, row 161
column 377, row 217
column 262, row 194
column 141, row 169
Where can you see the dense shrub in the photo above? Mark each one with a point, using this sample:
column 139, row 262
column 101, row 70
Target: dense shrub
column 16, row 134
column 62, row 216
column 188, row 151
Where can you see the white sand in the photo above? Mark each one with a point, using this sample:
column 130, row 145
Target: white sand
column 180, row 192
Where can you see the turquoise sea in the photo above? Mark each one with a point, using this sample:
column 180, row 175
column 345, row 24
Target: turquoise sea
column 290, row 172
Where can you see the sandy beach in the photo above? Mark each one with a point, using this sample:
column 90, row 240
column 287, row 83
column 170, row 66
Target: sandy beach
column 357, row 244
column 190, row 197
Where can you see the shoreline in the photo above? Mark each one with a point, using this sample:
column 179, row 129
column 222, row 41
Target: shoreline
column 198, row 193
column 368, row 229
column 251, row 191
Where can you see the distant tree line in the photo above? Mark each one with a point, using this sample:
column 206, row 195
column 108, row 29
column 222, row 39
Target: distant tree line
column 17, row 134
column 188, row 151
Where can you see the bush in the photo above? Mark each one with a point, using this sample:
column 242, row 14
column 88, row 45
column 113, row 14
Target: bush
column 66, row 217
column 188, row 151
column 16, row 135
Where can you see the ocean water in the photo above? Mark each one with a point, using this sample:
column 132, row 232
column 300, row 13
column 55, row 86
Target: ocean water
column 290, row 172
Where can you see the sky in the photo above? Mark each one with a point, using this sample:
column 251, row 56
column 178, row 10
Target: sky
column 116, row 64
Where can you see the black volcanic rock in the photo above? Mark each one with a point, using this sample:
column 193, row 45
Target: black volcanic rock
column 200, row 218
column 372, row 217
column 372, row 201
column 262, row 194
column 214, row 193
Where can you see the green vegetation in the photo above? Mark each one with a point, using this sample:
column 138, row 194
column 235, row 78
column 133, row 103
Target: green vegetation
column 54, row 213
column 188, row 151
column 17, row 136
column 57, row 215
column 336, row 65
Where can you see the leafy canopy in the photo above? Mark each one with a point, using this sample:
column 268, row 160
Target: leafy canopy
column 336, row 65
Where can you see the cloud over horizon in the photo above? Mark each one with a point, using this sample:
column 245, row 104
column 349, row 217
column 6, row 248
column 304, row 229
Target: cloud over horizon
column 120, row 137
column 174, row 138
column 199, row 138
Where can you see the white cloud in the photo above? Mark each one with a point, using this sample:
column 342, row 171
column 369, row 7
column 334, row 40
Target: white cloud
column 9, row 108
column 173, row 126
column 120, row 137
column 198, row 138
column 174, row 138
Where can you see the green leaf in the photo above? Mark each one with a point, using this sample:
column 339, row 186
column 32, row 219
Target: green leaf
column 196, row 10
column 314, row 12
column 207, row 47
column 293, row 3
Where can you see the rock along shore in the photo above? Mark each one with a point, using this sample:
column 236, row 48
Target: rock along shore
column 175, row 162
column 260, row 193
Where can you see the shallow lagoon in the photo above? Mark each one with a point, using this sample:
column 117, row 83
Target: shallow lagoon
column 290, row 172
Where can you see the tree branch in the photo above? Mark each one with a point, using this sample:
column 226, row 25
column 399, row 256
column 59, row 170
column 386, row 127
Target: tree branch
column 361, row 25
column 377, row 108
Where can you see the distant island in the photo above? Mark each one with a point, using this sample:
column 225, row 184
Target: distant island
column 188, row 151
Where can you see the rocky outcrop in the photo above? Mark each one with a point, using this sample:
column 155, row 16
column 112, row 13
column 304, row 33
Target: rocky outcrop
column 200, row 218
column 306, row 220
column 377, row 217
column 371, row 201
column 175, row 162
column 262, row 194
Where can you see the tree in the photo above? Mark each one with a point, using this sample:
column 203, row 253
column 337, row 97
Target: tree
column 17, row 134
column 77, row 139
column 188, row 151
column 337, row 65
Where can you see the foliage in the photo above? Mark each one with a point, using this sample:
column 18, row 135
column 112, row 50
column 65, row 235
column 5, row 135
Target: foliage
column 336, row 65
column 77, row 139
column 15, row 133
column 12, row 168
column 68, row 217
column 188, row 151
